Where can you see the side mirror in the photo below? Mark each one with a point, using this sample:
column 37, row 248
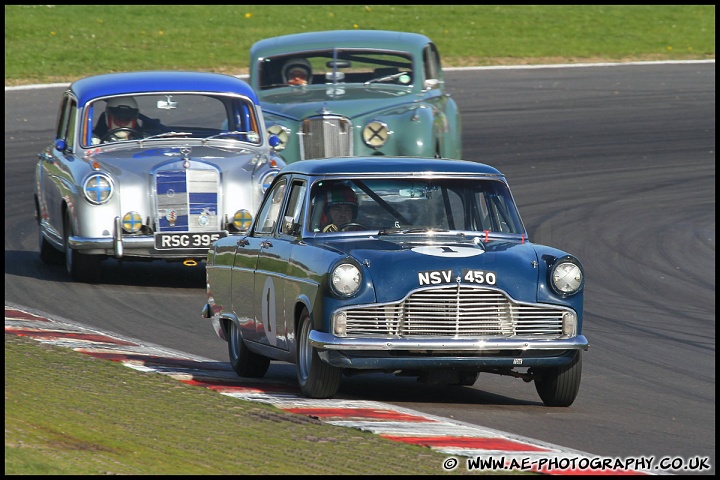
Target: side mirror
column 431, row 83
column 274, row 140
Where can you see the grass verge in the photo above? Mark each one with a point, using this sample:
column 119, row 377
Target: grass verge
column 53, row 43
column 67, row 413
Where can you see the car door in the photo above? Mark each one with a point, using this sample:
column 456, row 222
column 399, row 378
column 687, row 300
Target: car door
column 57, row 182
column 273, row 281
column 270, row 269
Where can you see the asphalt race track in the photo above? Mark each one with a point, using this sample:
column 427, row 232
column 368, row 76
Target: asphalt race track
column 615, row 164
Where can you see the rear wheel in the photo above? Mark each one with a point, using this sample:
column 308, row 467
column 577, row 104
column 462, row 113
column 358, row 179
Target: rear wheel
column 317, row 379
column 243, row 361
column 558, row 386
column 81, row 267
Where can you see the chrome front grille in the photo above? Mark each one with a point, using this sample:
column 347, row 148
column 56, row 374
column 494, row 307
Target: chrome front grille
column 187, row 200
column 456, row 311
column 324, row 137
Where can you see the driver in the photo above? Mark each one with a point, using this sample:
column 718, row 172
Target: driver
column 341, row 208
column 120, row 117
column 297, row 71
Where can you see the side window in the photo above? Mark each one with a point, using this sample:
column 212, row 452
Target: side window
column 292, row 216
column 432, row 62
column 71, row 122
column 66, row 121
column 270, row 211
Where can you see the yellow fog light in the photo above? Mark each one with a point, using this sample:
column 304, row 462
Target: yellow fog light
column 132, row 222
column 242, row 219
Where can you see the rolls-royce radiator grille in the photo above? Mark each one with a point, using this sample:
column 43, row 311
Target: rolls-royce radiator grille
column 187, row 200
column 324, row 137
column 456, row 311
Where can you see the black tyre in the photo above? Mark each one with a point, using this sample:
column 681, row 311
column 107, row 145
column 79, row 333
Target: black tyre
column 468, row 379
column 48, row 254
column 317, row 379
column 558, row 386
column 243, row 361
column 82, row 268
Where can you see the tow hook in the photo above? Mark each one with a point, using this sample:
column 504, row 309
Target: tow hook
column 190, row 263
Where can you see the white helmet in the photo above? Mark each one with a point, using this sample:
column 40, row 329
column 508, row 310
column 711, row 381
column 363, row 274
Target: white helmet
column 296, row 66
column 125, row 108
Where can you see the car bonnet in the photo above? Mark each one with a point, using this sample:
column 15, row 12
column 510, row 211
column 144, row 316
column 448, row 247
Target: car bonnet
column 353, row 102
column 399, row 265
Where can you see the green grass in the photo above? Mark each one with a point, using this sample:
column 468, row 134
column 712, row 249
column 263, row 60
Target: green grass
column 48, row 43
column 69, row 413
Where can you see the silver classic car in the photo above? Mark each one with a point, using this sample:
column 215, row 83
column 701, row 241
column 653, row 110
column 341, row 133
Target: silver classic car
column 150, row 165
column 355, row 92
column 407, row 265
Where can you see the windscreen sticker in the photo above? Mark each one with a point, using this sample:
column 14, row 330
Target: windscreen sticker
column 453, row 251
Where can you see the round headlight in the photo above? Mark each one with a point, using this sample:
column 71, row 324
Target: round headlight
column 98, row 188
column 131, row 222
column 567, row 276
column 283, row 135
column 267, row 179
column 375, row 134
column 345, row 279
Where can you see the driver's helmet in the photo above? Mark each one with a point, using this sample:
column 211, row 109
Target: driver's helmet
column 121, row 112
column 340, row 195
column 296, row 71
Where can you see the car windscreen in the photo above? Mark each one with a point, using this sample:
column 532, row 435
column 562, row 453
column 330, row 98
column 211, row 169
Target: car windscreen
column 336, row 66
column 168, row 115
column 386, row 205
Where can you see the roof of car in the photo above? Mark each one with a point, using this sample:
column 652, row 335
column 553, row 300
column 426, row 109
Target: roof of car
column 408, row 166
column 375, row 39
column 161, row 81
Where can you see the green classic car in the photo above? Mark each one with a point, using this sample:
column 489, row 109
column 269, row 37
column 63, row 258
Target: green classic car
column 355, row 93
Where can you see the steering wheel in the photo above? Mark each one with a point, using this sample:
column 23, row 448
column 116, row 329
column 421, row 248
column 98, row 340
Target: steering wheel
column 112, row 134
column 352, row 226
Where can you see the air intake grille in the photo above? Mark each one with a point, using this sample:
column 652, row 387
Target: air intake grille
column 456, row 311
column 324, row 137
column 187, row 200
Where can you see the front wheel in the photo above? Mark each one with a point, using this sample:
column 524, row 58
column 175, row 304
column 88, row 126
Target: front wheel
column 48, row 254
column 81, row 267
column 243, row 361
column 558, row 386
column 317, row 379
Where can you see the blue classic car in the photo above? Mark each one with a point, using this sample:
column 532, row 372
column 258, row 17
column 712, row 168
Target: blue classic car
column 417, row 266
column 355, row 93
column 150, row 165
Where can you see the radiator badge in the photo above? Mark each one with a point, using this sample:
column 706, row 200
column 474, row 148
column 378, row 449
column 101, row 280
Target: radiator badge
column 171, row 217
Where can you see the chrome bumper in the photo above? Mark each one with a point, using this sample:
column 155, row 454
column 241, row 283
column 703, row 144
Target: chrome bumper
column 130, row 246
column 478, row 354
column 326, row 341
